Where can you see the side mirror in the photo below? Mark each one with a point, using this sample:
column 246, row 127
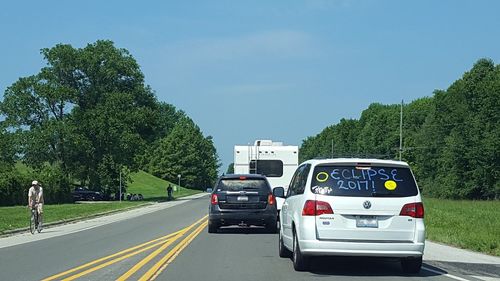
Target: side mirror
column 209, row 190
column 279, row 192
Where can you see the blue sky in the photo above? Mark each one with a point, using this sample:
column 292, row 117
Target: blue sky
column 280, row 70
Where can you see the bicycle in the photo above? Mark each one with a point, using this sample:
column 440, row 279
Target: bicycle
column 36, row 221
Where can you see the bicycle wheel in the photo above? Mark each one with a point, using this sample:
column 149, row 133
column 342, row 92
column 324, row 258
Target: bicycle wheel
column 32, row 223
column 40, row 223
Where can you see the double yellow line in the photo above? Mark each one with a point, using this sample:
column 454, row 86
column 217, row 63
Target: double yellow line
column 163, row 242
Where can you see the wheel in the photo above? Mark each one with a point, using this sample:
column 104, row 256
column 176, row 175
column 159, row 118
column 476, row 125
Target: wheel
column 40, row 223
column 278, row 221
column 212, row 227
column 411, row 265
column 282, row 250
column 299, row 261
column 32, row 223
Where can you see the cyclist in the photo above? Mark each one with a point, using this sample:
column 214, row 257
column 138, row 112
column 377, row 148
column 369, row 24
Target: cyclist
column 35, row 198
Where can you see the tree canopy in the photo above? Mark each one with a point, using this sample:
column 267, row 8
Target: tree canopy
column 89, row 115
column 451, row 140
column 186, row 152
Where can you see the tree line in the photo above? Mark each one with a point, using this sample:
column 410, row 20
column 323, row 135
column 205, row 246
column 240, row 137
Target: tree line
column 87, row 118
column 451, row 140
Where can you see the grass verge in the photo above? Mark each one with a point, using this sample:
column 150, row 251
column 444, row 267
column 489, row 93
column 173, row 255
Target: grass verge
column 154, row 188
column 18, row 216
column 473, row 225
column 151, row 187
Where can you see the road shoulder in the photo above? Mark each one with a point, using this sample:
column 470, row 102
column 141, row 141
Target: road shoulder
column 467, row 263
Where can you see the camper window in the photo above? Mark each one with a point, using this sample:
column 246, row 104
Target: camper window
column 268, row 168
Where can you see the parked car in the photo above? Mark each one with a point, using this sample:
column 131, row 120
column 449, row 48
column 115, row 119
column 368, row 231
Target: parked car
column 83, row 194
column 242, row 200
column 353, row 207
column 135, row 197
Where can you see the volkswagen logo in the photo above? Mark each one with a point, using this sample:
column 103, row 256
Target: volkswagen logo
column 367, row 204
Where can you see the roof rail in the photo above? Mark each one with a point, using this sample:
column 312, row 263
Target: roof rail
column 358, row 155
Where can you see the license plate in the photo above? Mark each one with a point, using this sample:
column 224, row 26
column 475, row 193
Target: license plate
column 366, row 221
column 242, row 198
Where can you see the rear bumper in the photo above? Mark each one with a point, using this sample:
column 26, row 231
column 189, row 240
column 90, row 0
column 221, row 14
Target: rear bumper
column 311, row 245
column 334, row 248
column 250, row 217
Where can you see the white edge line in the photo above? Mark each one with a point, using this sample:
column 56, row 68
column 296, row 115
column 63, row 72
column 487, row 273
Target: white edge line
column 486, row 278
column 444, row 274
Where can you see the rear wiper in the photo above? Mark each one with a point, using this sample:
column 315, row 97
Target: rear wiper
column 375, row 194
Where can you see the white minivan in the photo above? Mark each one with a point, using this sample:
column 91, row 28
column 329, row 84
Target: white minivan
column 353, row 207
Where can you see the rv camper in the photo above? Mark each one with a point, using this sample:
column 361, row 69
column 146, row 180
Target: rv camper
column 274, row 160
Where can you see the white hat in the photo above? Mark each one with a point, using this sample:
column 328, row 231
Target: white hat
column 34, row 183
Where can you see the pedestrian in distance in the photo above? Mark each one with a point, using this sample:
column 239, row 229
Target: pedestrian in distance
column 169, row 192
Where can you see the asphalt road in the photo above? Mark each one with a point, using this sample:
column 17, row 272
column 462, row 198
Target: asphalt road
column 151, row 247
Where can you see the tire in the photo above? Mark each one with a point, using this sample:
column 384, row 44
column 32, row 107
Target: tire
column 32, row 223
column 282, row 250
column 411, row 265
column 40, row 224
column 278, row 222
column 300, row 262
column 212, row 227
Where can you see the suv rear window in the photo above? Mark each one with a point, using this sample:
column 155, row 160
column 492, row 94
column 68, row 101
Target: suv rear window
column 363, row 181
column 246, row 184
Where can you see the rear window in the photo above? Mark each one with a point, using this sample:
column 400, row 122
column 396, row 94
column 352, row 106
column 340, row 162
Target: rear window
column 363, row 181
column 268, row 168
column 246, row 184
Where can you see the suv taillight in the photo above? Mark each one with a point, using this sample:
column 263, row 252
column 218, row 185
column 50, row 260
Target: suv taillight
column 316, row 208
column 414, row 210
column 271, row 200
column 214, row 200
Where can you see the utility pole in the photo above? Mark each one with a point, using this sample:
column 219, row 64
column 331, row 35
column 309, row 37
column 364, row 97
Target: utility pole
column 120, row 184
column 401, row 131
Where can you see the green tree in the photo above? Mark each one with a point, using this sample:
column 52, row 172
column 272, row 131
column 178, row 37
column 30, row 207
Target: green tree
column 7, row 148
column 86, row 116
column 115, row 113
column 230, row 169
column 186, row 152
column 37, row 109
column 379, row 131
column 451, row 139
column 88, row 111
column 165, row 118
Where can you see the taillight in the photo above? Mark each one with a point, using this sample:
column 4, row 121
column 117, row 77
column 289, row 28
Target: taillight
column 414, row 210
column 323, row 208
column 309, row 208
column 316, row 208
column 271, row 200
column 214, row 200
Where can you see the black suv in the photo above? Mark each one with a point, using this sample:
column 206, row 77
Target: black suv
column 242, row 200
column 83, row 194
